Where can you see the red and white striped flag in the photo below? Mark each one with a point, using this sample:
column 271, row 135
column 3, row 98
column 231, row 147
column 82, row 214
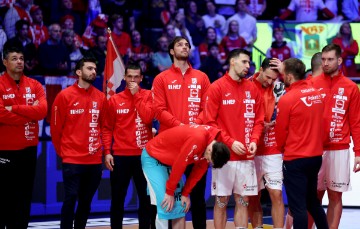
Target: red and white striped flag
column 114, row 68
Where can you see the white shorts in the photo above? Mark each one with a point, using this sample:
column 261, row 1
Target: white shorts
column 235, row 177
column 334, row 173
column 269, row 171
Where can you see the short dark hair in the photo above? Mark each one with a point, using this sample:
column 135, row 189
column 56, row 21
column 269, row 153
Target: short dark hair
column 82, row 61
column 10, row 47
column 296, row 67
column 220, row 155
column 236, row 53
column 173, row 42
column 331, row 47
column 20, row 23
column 133, row 66
column 115, row 17
column 266, row 64
column 316, row 61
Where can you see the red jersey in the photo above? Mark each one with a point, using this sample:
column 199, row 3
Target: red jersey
column 129, row 122
column 341, row 115
column 299, row 122
column 229, row 44
column 237, row 109
column 281, row 52
column 271, row 96
column 122, row 42
column 19, row 127
column 76, row 123
column 179, row 147
column 38, row 33
column 179, row 98
column 348, row 53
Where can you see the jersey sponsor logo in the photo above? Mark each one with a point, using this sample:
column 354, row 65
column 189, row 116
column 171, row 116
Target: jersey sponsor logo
column 227, row 94
column 9, row 96
column 311, row 99
column 174, row 87
column 28, row 96
column 76, row 111
column 75, row 104
column 228, row 101
column 122, row 111
column 174, row 81
column 307, row 90
column 8, row 89
column 121, row 104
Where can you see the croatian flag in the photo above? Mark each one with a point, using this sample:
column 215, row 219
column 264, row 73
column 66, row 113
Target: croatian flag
column 114, row 69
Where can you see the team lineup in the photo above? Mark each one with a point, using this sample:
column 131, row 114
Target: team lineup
column 276, row 127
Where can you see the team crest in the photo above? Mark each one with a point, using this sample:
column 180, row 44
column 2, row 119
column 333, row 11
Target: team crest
column 94, row 105
column 341, row 91
column 248, row 95
column 28, row 90
column 193, row 80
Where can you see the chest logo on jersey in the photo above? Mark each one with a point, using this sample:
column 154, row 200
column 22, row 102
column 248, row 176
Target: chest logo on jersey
column 311, row 99
column 9, row 96
column 174, row 87
column 77, row 111
column 122, row 111
column 228, row 101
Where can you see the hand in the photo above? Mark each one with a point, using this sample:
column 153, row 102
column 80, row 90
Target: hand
column 185, row 203
column 109, row 162
column 9, row 108
column 133, row 87
column 252, row 150
column 276, row 64
column 238, row 148
column 168, row 202
column 356, row 164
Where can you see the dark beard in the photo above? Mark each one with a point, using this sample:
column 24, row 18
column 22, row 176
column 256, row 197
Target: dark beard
column 90, row 81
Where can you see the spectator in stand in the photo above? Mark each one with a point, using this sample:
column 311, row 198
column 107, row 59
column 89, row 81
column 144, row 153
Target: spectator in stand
column 279, row 48
column 123, row 8
column 247, row 22
column 3, row 37
column 23, row 40
column 161, row 59
column 20, row 10
column 306, row 10
column 211, row 39
column 74, row 47
column 169, row 13
column 67, row 23
column 212, row 65
column 169, row 31
column 349, row 50
column 96, row 28
column 60, row 8
column 232, row 40
column 350, row 9
column 99, row 52
column 139, row 51
column 23, row 104
column 55, row 68
column 256, row 8
column 39, row 32
column 194, row 23
column 121, row 39
column 212, row 19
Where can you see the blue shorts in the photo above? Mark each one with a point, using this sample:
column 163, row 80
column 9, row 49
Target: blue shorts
column 156, row 175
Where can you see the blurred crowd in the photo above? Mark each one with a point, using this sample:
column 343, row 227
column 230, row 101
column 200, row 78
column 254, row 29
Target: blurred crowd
column 55, row 34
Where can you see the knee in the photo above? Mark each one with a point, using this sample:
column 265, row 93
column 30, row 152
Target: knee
column 221, row 202
column 276, row 196
column 335, row 196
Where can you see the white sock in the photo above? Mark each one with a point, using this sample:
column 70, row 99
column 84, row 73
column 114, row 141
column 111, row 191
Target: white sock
column 161, row 223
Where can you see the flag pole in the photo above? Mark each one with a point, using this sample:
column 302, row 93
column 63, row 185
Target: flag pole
column 117, row 54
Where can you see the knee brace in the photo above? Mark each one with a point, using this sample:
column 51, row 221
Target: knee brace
column 221, row 204
column 243, row 202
